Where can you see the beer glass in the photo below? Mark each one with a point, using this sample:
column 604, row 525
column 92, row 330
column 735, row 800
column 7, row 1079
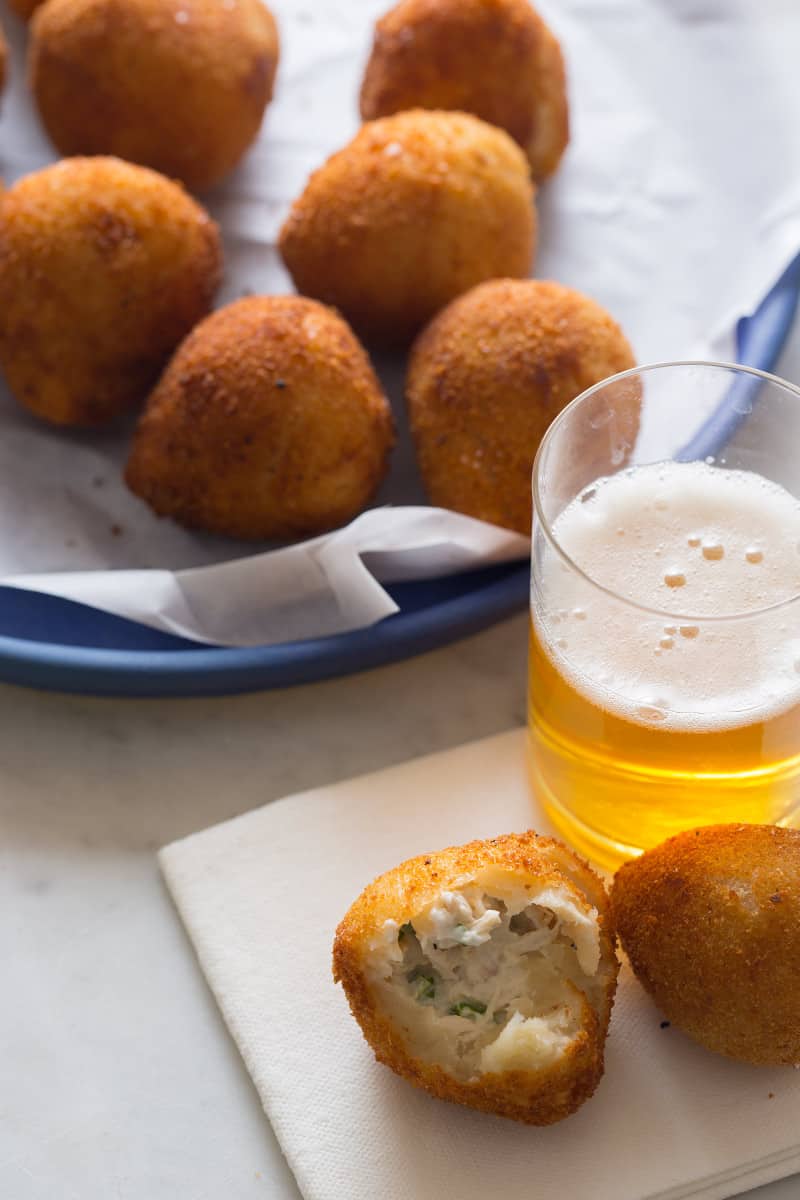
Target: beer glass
column 664, row 666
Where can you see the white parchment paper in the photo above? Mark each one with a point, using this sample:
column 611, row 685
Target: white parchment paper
column 676, row 206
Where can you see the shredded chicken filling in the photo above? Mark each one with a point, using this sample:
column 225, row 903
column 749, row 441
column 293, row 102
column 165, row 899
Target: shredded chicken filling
column 485, row 982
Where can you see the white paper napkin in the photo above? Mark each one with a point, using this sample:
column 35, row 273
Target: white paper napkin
column 261, row 896
column 675, row 206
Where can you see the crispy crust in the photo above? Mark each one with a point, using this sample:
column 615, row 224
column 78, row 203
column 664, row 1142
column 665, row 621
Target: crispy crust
column 268, row 423
column 128, row 77
column 487, row 377
column 534, row 1097
column 711, row 923
column 496, row 59
column 417, row 209
column 104, row 267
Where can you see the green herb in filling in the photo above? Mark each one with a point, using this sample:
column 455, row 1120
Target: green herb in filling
column 468, row 1008
column 423, row 985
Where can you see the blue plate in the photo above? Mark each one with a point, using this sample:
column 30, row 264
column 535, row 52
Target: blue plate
column 52, row 643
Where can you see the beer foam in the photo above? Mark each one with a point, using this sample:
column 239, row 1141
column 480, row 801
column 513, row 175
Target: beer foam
column 706, row 550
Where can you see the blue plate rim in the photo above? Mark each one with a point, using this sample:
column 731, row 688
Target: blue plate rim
column 760, row 337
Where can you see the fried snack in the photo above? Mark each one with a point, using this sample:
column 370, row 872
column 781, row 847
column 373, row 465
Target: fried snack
column 485, row 974
column 268, row 423
column 178, row 85
column 487, row 377
column 414, row 211
column 104, row 267
column 494, row 58
column 711, row 923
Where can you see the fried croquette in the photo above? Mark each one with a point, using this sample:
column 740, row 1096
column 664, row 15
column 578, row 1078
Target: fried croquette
column 178, row 85
column 710, row 921
column 268, row 423
column 104, row 268
column 485, row 974
column 487, row 377
column 494, row 58
column 418, row 208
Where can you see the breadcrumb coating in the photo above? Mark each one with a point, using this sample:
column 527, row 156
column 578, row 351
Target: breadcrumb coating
column 104, row 267
column 178, row 85
column 417, row 209
column 268, row 423
column 494, row 58
column 538, row 1096
column 710, row 921
column 487, row 377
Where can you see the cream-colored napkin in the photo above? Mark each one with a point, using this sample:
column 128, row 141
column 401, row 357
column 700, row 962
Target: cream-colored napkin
column 261, row 897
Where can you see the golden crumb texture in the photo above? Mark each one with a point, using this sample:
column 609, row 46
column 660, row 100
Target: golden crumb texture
column 415, row 210
column 535, row 1097
column 104, row 268
column 488, row 376
column 268, row 423
column 496, row 59
column 177, row 86
column 710, row 921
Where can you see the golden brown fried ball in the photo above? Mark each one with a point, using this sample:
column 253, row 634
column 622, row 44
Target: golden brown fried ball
column 414, row 211
column 268, row 423
column 485, row 974
column 104, row 267
column 179, row 85
column 487, row 377
column 711, row 923
column 494, row 58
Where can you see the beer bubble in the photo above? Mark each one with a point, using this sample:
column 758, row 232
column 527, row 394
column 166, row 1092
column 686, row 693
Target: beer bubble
column 621, row 533
column 561, row 643
column 651, row 712
column 662, row 505
column 689, row 631
column 666, row 643
column 710, row 460
column 694, row 540
column 579, row 614
column 675, row 579
column 713, row 550
column 753, row 554
column 670, row 630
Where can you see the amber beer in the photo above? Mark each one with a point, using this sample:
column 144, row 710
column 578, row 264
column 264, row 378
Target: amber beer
column 665, row 656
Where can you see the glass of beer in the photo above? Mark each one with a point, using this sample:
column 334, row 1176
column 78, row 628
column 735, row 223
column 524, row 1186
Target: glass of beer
column 664, row 676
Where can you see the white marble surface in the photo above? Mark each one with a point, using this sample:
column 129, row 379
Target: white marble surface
column 118, row 1079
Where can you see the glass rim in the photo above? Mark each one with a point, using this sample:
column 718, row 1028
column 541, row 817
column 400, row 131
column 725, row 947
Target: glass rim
column 568, row 561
